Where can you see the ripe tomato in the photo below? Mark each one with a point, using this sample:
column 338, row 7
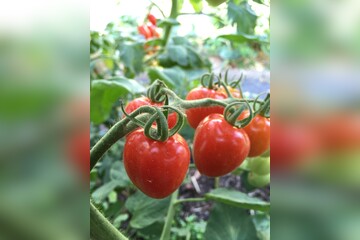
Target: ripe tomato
column 152, row 19
column 156, row 168
column 144, row 30
column 258, row 131
column 79, row 151
column 292, row 143
column 235, row 92
column 154, row 33
column 144, row 101
column 195, row 115
column 219, row 147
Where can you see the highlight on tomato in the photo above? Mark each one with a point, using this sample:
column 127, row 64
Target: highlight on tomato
column 219, row 147
column 156, row 168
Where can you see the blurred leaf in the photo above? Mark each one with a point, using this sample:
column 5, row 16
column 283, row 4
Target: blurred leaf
column 104, row 93
column 239, row 38
column 103, row 192
column 178, row 54
column 167, row 22
column 238, row 199
column 112, row 197
column 118, row 174
column 145, row 210
column 197, row 5
column 242, row 16
column 157, row 73
column 262, row 225
column 155, row 42
column 152, row 232
column 132, row 55
column 235, row 224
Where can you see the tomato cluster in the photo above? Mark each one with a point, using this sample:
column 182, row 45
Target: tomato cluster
column 158, row 168
column 149, row 30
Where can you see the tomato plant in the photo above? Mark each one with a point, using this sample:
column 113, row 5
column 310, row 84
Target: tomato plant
column 156, row 168
column 147, row 149
column 219, row 148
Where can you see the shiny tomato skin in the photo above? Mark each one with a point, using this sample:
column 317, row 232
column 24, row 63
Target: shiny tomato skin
column 195, row 115
column 258, row 131
column 144, row 101
column 219, row 148
column 156, row 168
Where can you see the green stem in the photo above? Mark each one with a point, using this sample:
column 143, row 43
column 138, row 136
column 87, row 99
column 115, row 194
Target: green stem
column 189, row 200
column 101, row 228
column 217, row 182
column 165, row 235
column 173, row 15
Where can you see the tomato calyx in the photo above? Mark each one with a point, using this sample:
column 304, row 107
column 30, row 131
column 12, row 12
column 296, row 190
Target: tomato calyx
column 161, row 131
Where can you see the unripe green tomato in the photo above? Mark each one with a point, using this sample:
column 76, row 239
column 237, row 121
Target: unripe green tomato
column 258, row 180
column 259, row 165
column 215, row 3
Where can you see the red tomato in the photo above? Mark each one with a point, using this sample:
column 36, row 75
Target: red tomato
column 195, row 115
column 235, row 92
column 340, row 132
column 258, row 131
column 79, row 151
column 219, row 147
column 152, row 19
column 153, row 31
column 144, row 101
column 291, row 144
column 156, row 168
column 144, row 30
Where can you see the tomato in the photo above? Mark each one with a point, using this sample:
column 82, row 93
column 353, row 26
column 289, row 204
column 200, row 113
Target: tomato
column 215, row 3
column 144, row 30
column 259, row 165
column 292, row 143
column 258, row 131
column 235, row 92
column 156, row 168
column 152, row 19
column 219, row 147
column 258, row 180
column 195, row 115
column 340, row 131
column 154, row 33
column 79, row 151
column 144, row 101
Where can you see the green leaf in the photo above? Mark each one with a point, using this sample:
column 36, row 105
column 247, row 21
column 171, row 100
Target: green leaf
column 178, row 54
column 237, row 199
column 145, row 210
column 104, row 93
column 103, row 192
column 262, row 225
column 132, row 55
column 167, row 22
column 157, row 73
column 197, row 5
column 119, row 219
column 242, row 16
column 119, row 175
column 230, row 223
column 239, row 38
column 152, row 232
